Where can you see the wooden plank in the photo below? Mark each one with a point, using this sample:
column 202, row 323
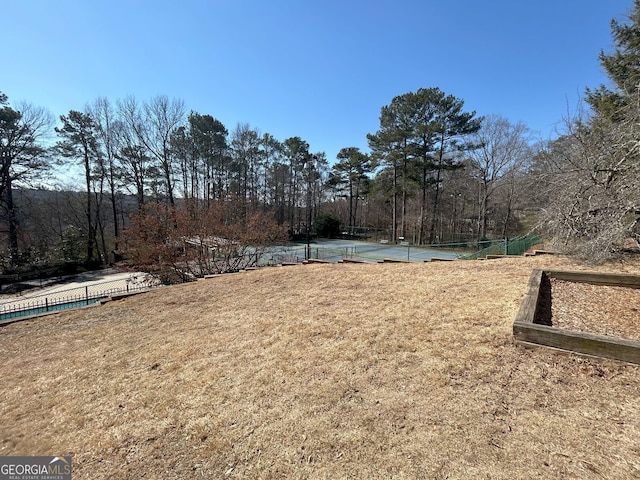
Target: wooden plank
column 611, row 279
column 527, row 311
column 581, row 342
column 533, row 346
column 353, row 260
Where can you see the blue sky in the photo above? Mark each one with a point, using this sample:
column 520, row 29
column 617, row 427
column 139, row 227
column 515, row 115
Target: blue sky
column 320, row 70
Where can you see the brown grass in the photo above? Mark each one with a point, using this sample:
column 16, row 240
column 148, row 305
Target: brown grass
column 318, row 371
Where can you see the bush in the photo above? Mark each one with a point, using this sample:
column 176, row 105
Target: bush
column 180, row 245
column 327, row 226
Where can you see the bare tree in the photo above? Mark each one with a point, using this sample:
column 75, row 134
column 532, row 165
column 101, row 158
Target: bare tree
column 133, row 157
column 503, row 147
column 592, row 176
column 153, row 124
column 162, row 116
column 108, row 128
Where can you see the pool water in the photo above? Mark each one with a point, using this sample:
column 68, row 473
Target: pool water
column 49, row 308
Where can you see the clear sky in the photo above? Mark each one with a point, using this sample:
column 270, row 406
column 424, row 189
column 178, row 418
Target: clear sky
column 318, row 69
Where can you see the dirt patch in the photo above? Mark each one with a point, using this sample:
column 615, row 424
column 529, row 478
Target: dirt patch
column 318, row 371
column 598, row 309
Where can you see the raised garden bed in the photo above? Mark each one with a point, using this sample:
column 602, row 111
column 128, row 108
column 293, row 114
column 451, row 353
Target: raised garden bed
column 584, row 312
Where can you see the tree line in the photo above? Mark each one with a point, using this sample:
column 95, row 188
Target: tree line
column 434, row 174
column 132, row 154
column 150, row 152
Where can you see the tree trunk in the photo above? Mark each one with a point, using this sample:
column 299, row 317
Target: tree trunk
column 436, row 198
column 350, row 206
column 114, row 209
column 90, row 232
column 13, row 220
column 434, row 212
column 394, row 215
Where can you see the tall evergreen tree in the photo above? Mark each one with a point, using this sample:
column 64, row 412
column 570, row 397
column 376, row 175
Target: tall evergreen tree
column 22, row 157
column 622, row 67
column 450, row 127
column 351, row 172
column 296, row 153
column 428, row 129
column 275, row 175
column 79, row 141
column 209, row 136
column 392, row 146
column 245, row 145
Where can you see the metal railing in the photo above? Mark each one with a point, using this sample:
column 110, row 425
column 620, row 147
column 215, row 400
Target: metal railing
column 73, row 297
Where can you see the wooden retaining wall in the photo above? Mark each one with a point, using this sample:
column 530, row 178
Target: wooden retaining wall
column 533, row 321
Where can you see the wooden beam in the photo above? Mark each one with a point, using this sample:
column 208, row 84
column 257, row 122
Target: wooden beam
column 581, row 342
column 529, row 326
column 353, row 260
column 318, row 260
column 527, row 311
column 611, row 279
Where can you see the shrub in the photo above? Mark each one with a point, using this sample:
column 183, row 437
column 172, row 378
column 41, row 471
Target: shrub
column 180, row 245
column 327, row 226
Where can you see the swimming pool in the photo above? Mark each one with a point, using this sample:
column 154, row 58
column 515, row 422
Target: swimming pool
column 35, row 310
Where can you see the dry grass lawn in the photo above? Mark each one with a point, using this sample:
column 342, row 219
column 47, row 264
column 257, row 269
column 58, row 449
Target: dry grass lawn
column 318, row 371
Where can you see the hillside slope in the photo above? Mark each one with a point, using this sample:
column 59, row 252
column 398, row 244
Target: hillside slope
column 318, row 371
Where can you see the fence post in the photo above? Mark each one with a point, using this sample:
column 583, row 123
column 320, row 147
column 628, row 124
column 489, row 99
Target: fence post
column 86, row 293
column 46, row 304
column 506, row 246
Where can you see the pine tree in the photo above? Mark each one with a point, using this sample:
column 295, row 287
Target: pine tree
column 622, row 67
column 22, row 157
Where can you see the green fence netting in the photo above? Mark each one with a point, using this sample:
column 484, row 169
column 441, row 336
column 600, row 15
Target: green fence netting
column 514, row 246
